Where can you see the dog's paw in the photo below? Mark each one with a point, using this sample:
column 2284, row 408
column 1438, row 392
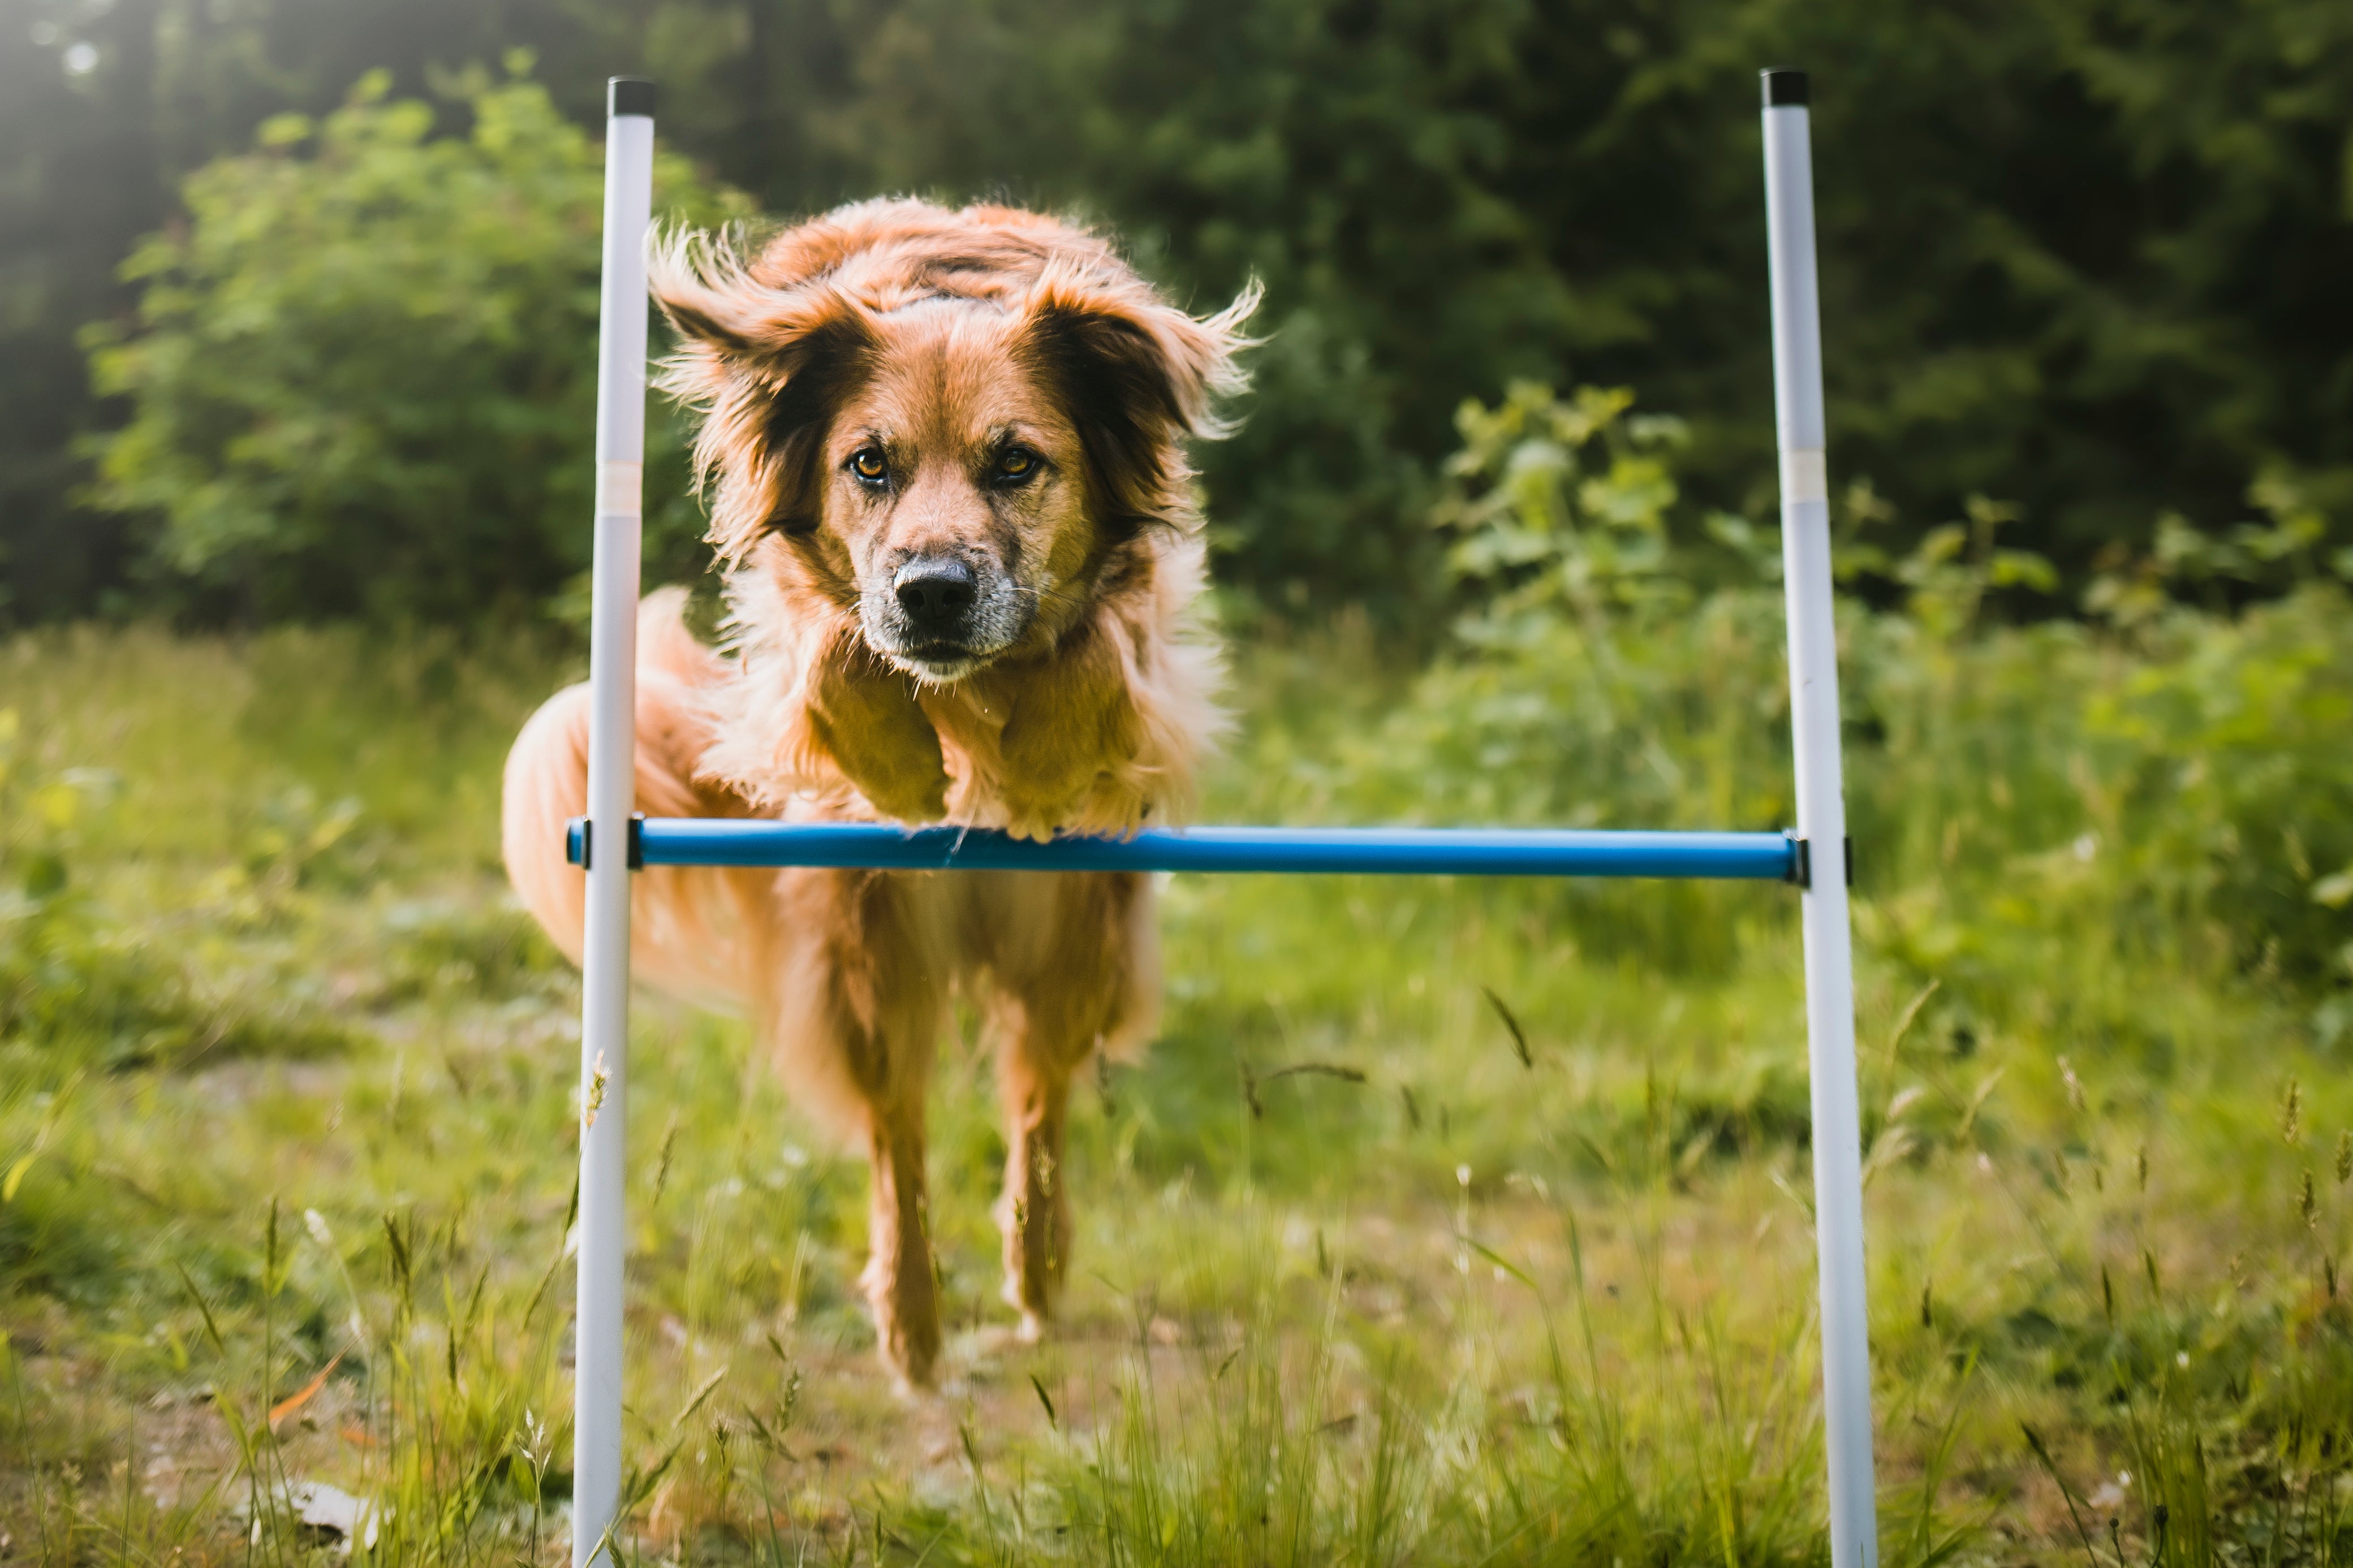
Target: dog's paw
column 1116, row 809
column 1035, row 826
column 910, row 798
column 1031, row 1327
column 1109, row 808
column 911, row 1361
column 1102, row 808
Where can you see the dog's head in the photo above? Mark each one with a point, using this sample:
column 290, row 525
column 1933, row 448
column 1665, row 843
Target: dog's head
column 946, row 423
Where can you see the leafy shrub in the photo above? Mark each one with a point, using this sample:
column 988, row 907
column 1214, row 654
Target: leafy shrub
column 2166, row 774
column 363, row 377
column 2233, row 795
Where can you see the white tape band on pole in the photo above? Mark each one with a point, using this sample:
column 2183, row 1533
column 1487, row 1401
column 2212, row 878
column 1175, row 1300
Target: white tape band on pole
column 1805, row 475
column 620, row 489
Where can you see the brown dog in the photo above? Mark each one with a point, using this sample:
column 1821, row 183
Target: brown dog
column 961, row 552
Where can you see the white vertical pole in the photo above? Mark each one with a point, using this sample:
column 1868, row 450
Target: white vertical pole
column 612, row 777
column 1821, row 820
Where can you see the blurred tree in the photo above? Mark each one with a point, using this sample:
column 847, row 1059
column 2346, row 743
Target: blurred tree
column 2079, row 253
column 365, row 365
column 79, row 183
column 2082, row 254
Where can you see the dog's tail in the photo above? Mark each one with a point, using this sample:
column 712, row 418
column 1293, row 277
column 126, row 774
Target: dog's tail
column 690, row 927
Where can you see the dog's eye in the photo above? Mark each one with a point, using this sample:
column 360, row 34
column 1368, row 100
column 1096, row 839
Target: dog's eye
column 869, row 464
column 1018, row 463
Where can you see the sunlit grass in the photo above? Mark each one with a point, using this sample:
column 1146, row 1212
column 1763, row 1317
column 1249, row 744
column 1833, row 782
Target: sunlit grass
column 1469, row 1308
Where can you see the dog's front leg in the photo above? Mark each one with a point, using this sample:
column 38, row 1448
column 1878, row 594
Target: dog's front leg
column 898, row 1279
column 1033, row 1215
column 1070, row 957
column 863, row 715
column 854, row 1001
column 1072, row 721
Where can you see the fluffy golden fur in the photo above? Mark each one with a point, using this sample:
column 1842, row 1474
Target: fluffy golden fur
column 943, row 456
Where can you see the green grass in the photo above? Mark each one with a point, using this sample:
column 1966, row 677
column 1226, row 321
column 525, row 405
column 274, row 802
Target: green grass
column 286, row 1078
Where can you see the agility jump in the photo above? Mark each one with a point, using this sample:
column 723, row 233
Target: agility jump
column 611, row 840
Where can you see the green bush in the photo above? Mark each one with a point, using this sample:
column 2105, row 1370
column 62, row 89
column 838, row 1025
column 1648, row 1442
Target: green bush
column 2162, row 775
column 364, row 377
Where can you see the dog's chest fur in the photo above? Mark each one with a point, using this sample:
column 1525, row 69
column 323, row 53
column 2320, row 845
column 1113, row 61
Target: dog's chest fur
column 1101, row 732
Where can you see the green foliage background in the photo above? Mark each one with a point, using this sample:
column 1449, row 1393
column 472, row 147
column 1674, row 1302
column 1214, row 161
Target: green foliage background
column 296, row 322
column 2083, row 255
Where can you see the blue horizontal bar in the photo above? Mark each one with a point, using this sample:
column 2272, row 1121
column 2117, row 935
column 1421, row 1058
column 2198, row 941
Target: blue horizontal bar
column 1424, row 851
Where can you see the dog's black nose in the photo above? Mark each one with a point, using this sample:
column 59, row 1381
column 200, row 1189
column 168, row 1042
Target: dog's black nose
column 937, row 591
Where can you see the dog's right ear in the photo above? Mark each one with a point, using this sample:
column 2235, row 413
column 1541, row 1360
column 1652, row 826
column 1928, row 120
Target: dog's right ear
column 767, row 367
column 712, row 300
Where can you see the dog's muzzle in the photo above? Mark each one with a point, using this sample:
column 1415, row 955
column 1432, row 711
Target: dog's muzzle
column 940, row 617
column 937, row 595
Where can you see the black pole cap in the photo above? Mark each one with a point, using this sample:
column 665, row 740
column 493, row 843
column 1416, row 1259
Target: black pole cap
column 629, row 95
column 1785, row 88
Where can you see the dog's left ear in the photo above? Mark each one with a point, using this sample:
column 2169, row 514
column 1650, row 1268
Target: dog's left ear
column 1137, row 375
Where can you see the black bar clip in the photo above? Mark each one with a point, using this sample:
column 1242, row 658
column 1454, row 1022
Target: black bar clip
column 1801, row 862
column 579, row 843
